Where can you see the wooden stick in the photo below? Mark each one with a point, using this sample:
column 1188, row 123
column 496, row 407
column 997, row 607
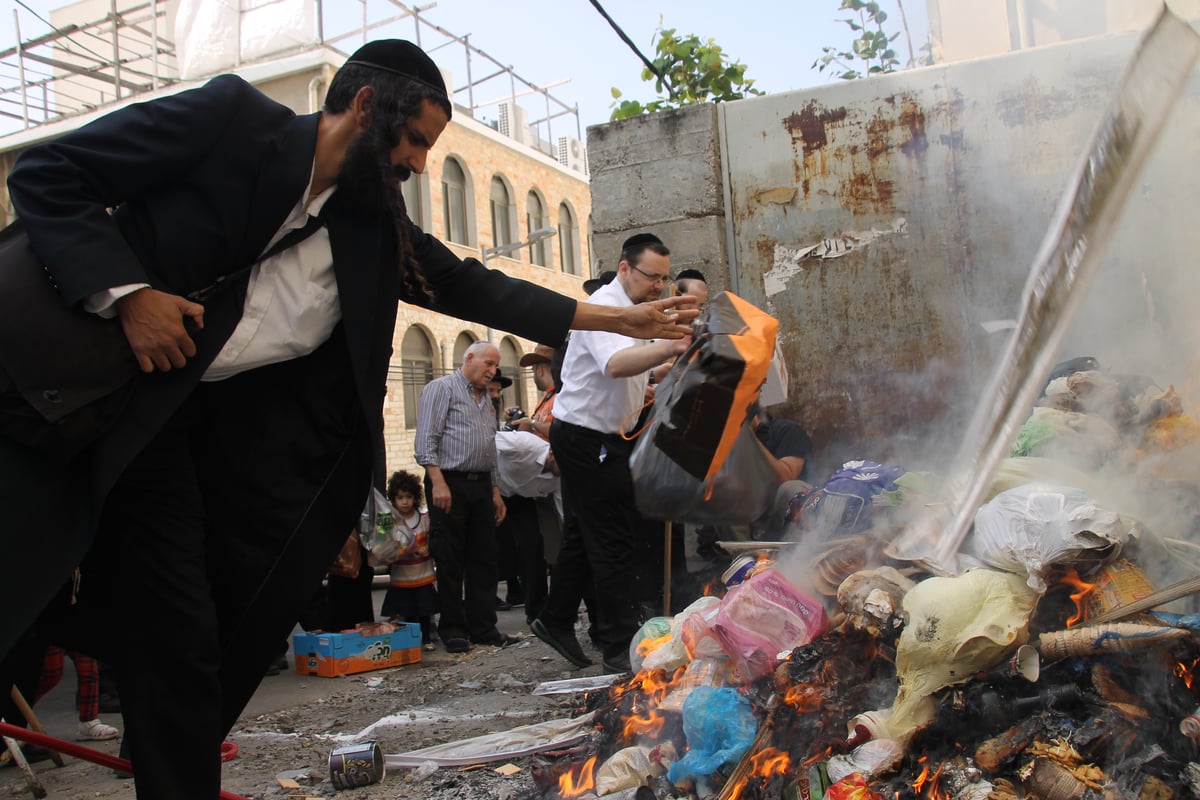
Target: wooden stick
column 1163, row 596
column 27, row 712
column 35, row 785
column 667, row 569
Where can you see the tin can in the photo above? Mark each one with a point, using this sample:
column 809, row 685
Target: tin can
column 356, row 765
column 1189, row 726
column 738, row 570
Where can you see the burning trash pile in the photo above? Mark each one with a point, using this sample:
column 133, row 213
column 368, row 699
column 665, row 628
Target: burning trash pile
column 1045, row 669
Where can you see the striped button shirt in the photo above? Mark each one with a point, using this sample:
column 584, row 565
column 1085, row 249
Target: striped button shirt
column 454, row 430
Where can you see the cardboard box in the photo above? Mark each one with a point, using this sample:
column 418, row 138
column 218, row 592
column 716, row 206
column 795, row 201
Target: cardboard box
column 333, row 654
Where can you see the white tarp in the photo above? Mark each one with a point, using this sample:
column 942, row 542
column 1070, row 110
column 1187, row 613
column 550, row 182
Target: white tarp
column 211, row 38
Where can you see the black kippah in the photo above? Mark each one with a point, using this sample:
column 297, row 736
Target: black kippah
column 402, row 58
column 640, row 240
column 691, row 274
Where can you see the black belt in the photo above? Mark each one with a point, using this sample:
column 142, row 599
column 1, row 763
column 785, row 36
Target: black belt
column 470, row 476
column 591, row 431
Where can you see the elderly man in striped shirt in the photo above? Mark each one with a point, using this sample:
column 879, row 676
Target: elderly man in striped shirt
column 456, row 444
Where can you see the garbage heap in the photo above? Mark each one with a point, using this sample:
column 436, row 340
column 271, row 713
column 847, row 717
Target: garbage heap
column 1048, row 668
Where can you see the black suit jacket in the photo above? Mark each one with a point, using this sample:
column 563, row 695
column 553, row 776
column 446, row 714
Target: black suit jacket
column 197, row 184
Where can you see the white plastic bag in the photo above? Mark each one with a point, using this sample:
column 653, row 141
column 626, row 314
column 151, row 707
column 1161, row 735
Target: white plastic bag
column 1030, row 529
column 384, row 539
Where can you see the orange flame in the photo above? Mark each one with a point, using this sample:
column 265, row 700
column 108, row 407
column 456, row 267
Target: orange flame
column 1185, row 672
column 929, row 780
column 647, row 646
column 1071, row 578
column 803, row 697
column 648, row 724
column 573, row 782
column 655, row 683
column 763, row 764
column 769, row 761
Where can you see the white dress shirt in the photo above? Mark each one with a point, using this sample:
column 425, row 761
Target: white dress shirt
column 589, row 397
column 291, row 304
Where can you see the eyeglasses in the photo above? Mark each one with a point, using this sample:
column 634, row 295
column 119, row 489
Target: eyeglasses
column 661, row 279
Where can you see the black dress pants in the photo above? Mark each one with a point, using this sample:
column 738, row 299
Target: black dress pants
column 463, row 546
column 522, row 523
column 601, row 536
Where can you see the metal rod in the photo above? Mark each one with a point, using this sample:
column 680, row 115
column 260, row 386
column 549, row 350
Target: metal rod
column 21, row 69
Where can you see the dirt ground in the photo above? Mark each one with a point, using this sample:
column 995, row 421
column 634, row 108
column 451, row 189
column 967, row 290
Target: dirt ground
column 294, row 722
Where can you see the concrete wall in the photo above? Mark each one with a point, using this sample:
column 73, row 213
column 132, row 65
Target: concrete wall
column 883, row 221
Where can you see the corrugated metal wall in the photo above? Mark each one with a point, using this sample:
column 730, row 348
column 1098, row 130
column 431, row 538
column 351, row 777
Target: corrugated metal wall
column 884, row 220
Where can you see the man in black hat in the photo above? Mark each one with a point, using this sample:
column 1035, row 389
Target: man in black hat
column 210, row 507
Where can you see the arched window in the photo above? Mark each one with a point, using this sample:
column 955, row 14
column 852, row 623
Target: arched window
column 568, row 245
column 535, row 218
column 510, row 357
column 412, row 190
column 416, row 370
column 454, row 202
column 501, row 204
column 461, row 344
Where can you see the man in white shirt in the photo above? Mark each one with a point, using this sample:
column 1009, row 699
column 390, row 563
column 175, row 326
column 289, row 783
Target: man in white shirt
column 604, row 382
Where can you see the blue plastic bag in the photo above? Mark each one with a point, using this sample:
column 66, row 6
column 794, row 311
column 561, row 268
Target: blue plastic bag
column 720, row 727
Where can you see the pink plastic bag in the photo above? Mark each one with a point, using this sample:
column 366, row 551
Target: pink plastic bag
column 763, row 618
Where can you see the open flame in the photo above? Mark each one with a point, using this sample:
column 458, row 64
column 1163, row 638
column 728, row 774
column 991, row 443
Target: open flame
column 647, row 646
column 928, row 780
column 804, row 697
column 648, row 724
column 763, row 764
column 1084, row 590
column 578, row 779
column 1186, row 672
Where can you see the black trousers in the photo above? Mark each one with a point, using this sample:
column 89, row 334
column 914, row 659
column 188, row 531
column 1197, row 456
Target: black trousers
column 602, row 536
column 523, row 526
column 204, row 560
column 463, row 546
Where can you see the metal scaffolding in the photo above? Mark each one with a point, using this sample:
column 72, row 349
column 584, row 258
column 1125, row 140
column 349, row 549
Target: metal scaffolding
column 82, row 66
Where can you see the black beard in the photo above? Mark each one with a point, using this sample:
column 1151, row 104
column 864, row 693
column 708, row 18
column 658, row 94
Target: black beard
column 363, row 180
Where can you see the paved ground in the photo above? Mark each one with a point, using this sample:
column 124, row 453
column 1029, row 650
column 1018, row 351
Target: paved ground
column 293, row 722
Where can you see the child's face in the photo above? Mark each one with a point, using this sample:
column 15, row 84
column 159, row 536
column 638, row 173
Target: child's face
column 404, row 502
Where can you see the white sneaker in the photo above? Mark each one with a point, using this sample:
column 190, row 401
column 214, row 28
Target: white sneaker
column 96, row 731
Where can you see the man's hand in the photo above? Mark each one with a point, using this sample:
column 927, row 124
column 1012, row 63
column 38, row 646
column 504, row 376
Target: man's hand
column 441, row 494
column 153, row 325
column 655, row 320
column 498, row 502
column 659, row 319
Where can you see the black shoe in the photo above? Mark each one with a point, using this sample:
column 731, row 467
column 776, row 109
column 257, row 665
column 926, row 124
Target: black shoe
column 563, row 642
column 616, row 665
column 456, row 644
column 501, row 605
column 495, row 639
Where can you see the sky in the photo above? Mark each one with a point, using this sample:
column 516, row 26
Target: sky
column 548, row 41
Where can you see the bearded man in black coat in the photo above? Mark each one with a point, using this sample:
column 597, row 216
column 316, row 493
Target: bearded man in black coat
column 205, row 511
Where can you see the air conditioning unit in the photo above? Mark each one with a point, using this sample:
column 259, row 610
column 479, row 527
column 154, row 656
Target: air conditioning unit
column 514, row 122
column 572, row 154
